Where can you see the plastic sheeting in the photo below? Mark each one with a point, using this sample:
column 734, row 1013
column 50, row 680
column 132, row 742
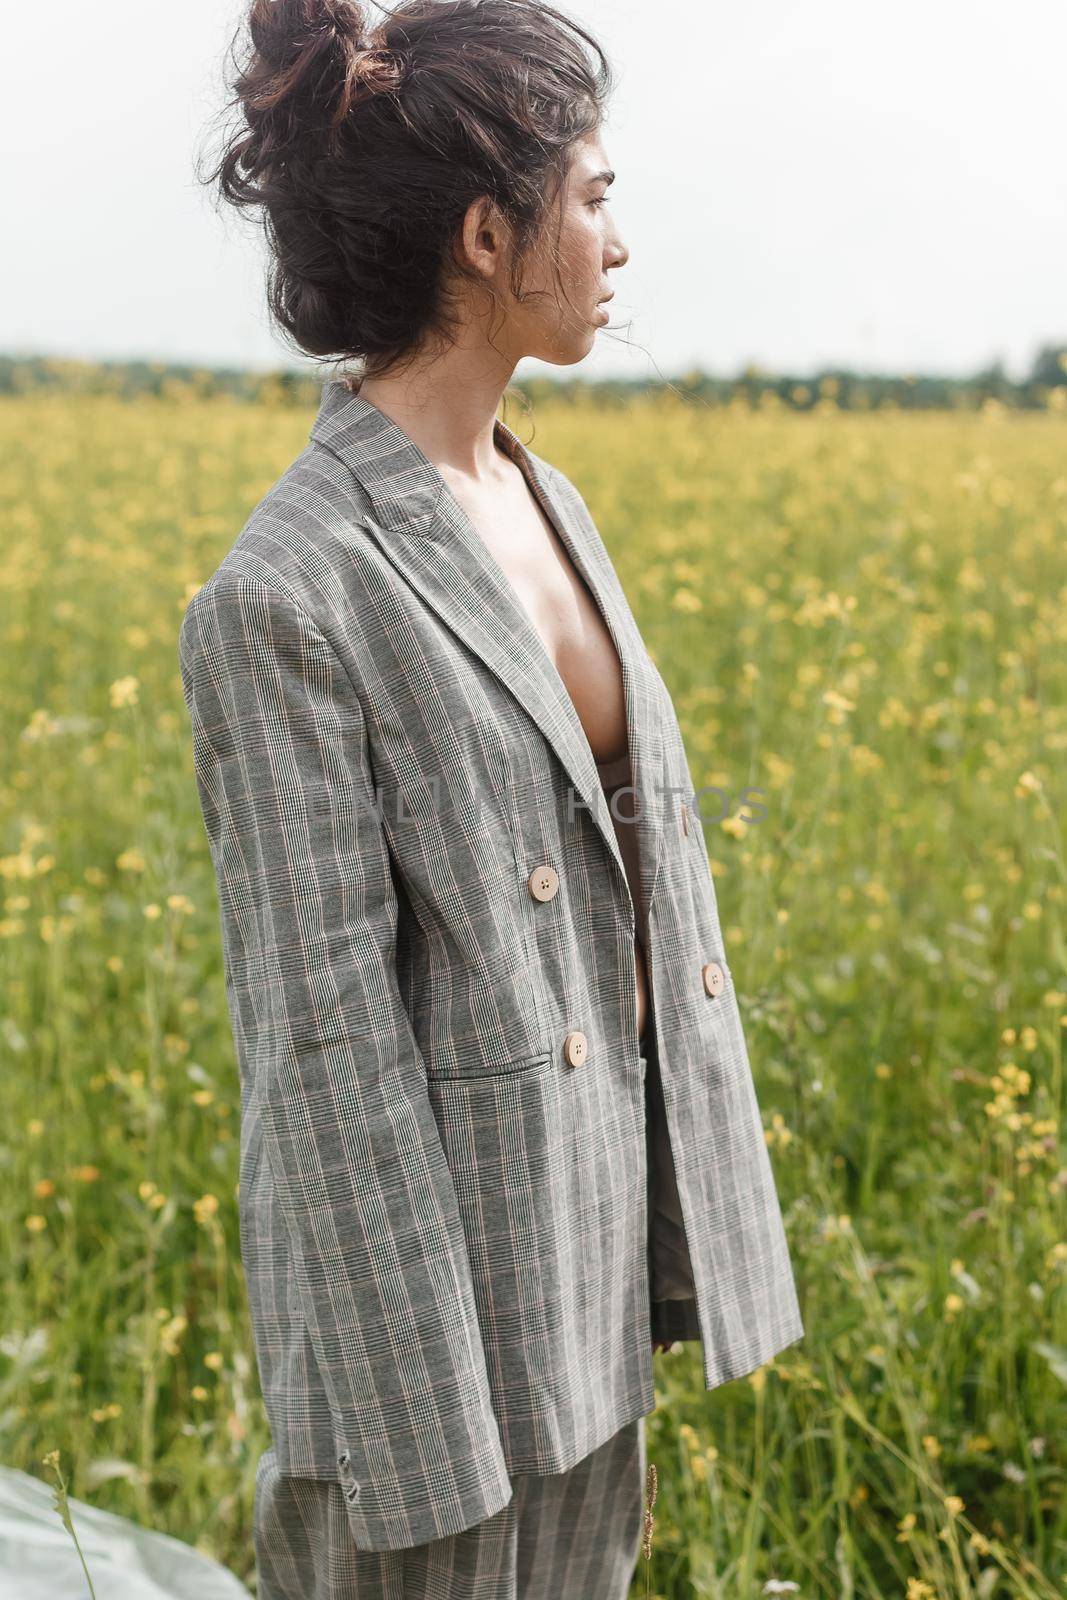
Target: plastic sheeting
column 38, row 1559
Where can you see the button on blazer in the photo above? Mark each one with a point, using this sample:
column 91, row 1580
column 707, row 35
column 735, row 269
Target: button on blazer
column 428, row 947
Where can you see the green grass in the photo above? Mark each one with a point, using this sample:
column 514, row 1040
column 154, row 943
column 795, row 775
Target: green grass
column 862, row 616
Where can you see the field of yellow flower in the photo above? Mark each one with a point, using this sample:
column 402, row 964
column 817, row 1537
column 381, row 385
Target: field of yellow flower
column 863, row 618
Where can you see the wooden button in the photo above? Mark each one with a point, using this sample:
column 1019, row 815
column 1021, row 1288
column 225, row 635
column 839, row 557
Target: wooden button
column 685, row 819
column 575, row 1047
column 714, row 978
column 543, row 882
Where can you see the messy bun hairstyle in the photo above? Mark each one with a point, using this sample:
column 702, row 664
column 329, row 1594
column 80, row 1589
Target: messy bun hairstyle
column 364, row 147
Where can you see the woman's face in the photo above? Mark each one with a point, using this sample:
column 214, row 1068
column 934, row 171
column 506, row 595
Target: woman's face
column 557, row 316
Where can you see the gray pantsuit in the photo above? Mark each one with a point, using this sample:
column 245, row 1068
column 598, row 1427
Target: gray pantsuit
column 444, row 1212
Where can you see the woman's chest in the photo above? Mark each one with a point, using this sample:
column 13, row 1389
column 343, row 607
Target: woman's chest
column 561, row 610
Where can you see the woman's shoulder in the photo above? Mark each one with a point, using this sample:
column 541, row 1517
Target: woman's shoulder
column 305, row 538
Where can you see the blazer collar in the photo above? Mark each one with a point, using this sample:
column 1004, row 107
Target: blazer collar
column 423, row 530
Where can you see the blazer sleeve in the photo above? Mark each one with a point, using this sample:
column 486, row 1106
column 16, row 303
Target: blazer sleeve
column 309, row 915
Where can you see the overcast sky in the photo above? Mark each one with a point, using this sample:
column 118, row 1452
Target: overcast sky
column 883, row 186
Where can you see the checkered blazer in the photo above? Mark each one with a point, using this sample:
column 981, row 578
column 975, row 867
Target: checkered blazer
column 443, row 1203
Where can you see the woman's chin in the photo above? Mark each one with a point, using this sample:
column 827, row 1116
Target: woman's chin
column 566, row 352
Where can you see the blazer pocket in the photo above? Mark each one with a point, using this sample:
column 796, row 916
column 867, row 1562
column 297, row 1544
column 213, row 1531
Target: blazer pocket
column 492, row 1074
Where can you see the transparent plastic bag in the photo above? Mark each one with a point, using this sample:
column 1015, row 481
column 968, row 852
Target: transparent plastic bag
column 39, row 1561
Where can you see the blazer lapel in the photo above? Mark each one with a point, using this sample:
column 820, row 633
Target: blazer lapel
column 423, row 530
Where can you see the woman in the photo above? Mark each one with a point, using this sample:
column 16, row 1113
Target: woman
column 499, row 1135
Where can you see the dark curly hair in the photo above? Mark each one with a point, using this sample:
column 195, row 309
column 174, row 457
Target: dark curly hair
column 364, row 147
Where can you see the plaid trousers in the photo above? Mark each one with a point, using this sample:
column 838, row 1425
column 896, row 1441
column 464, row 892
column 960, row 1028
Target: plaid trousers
column 571, row 1535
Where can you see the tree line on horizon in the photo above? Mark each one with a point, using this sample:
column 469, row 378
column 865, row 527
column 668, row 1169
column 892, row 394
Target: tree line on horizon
column 1044, row 387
